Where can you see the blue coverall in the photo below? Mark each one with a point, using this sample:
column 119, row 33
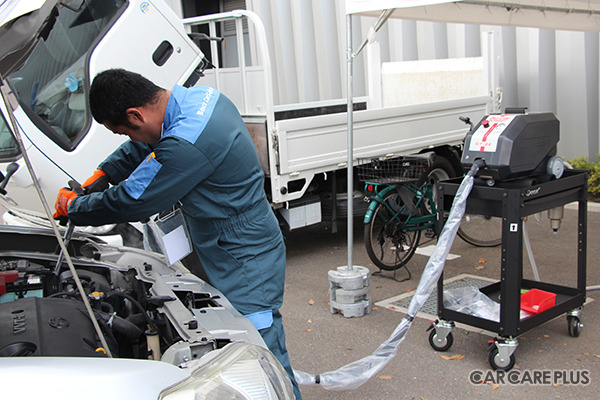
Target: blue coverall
column 205, row 159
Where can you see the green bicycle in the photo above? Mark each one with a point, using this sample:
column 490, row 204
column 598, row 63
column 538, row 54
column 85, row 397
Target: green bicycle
column 402, row 194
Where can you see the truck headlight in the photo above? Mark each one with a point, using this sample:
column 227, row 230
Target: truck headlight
column 241, row 371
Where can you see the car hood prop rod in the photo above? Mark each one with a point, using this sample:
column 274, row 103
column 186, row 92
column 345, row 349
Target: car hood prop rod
column 6, row 91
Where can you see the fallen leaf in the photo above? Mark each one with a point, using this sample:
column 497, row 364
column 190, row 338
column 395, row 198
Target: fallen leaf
column 495, row 387
column 586, row 354
column 308, row 330
column 558, row 384
column 481, row 261
column 454, row 357
column 375, row 308
column 385, row 377
column 309, row 321
column 378, row 287
column 597, row 355
column 479, row 268
column 311, row 302
column 546, row 335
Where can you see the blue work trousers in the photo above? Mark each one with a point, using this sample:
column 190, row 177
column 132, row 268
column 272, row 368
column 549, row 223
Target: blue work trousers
column 244, row 257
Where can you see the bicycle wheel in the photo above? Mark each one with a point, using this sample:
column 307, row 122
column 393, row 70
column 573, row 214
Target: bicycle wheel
column 388, row 244
column 478, row 230
column 481, row 230
column 440, row 170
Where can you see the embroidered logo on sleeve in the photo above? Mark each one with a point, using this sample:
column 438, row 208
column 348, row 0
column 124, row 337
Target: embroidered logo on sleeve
column 206, row 101
column 194, row 114
column 143, row 175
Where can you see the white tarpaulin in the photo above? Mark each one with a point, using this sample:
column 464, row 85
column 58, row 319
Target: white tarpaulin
column 578, row 15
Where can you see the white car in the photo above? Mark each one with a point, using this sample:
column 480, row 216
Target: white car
column 171, row 335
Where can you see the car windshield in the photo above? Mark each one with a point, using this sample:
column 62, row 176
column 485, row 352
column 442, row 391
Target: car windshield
column 51, row 85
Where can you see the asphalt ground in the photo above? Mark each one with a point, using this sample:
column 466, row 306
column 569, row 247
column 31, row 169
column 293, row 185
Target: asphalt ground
column 319, row 341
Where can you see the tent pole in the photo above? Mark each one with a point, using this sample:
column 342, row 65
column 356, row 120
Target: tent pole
column 349, row 59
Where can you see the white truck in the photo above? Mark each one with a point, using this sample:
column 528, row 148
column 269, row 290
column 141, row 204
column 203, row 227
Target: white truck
column 50, row 56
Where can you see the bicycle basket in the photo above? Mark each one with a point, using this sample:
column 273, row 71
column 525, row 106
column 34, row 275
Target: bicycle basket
column 392, row 170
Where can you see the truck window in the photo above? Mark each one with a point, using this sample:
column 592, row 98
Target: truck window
column 52, row 84
column 8, row 145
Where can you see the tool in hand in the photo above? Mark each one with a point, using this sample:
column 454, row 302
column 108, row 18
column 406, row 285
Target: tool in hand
column 76, row 187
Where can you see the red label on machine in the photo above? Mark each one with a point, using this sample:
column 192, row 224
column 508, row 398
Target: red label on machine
column 486, row 136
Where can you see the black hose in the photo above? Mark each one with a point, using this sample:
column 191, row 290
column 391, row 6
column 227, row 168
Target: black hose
column 107, row 307
column 121, row 326
column 138, row 319
column 137, row 304
column 477, row 165
column 68, row 294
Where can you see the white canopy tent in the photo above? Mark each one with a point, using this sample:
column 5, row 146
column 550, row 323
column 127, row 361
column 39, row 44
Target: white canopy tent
column 578, row 15
column 575, row 15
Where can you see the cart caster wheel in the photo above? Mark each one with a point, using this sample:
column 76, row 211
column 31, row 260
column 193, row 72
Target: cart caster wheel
column 498, row 363
column 574, row 325
column 440, row 343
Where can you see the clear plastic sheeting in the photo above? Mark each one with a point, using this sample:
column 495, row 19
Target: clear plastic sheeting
column 353, row 375
column 469, row 300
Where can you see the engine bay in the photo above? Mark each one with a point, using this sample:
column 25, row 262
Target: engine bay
column 42, row 314
column 145, row 308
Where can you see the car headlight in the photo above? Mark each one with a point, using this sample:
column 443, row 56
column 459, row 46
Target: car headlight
column 242, row 371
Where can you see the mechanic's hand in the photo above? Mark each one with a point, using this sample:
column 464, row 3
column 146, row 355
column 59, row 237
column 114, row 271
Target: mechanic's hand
column 98, row 182
column 63, row 201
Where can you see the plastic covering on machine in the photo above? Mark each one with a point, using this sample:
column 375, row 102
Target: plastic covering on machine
column 353, row 375
column 469, row 300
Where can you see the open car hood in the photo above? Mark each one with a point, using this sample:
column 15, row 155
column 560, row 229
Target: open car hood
column 23, row 23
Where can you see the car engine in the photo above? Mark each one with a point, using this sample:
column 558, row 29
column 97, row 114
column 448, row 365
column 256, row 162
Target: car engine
column 145, row 308
column 42, row 314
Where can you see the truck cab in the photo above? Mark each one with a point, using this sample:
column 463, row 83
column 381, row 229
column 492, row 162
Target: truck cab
column 71, row 45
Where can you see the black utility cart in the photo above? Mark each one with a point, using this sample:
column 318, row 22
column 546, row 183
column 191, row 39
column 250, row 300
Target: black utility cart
column 514, row 200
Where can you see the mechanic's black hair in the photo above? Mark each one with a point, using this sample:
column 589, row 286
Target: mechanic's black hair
column 115, row 90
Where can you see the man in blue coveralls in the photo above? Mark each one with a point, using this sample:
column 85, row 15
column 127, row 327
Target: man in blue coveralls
column 190, row 145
